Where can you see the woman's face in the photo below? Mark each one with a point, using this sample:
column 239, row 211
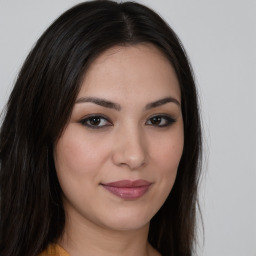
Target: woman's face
column 117, row 159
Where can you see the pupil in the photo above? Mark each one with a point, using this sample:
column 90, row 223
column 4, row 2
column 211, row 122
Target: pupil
column 95, row 121
column 156, row 120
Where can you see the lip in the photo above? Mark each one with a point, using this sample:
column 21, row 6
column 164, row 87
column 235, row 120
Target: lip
column 128, row 189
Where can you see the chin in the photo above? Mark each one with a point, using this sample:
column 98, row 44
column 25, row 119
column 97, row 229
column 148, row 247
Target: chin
column 126, row 221
column 128, row 225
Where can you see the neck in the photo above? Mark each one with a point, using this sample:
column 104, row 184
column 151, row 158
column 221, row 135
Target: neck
column 82, row 237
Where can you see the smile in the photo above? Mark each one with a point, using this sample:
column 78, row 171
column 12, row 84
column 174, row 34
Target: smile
column 127, row 189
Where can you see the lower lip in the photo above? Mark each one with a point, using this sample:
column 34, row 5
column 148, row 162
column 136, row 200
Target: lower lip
column 128, row 193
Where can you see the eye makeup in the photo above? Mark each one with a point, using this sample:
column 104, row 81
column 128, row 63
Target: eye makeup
column 99, row 121
column 160, row 120
column 96, row 121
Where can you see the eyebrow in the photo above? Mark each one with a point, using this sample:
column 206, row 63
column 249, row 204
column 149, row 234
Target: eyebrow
column 112, row 105
column 100, row 102
column 162, row 102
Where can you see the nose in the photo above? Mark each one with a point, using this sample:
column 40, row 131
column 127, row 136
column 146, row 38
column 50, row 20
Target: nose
column 130, row 149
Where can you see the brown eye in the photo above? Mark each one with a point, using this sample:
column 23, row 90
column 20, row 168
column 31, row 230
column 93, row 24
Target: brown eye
column 95, row 122
column 160, row 121
column 156, row 120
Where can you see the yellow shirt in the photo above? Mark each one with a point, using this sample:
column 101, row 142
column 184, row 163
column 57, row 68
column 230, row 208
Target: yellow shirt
column 54, row 250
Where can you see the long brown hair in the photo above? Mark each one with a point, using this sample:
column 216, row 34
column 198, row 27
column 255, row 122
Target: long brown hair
column 31, row 209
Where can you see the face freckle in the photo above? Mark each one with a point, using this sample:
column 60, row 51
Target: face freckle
column 116, row 164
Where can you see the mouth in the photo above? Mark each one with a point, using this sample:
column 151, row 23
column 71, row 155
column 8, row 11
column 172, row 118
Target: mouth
column 128, row 189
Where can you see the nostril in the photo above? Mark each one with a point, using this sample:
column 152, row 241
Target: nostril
column 130, row 149
column 131, row 160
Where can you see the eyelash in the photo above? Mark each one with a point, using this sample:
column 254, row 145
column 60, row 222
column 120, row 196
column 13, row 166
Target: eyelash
column 168, row 121
column 85, row 121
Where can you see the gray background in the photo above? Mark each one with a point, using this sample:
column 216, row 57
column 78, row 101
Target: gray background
column 220, row 38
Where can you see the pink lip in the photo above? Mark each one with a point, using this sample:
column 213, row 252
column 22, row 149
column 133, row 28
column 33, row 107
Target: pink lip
column 128, row 189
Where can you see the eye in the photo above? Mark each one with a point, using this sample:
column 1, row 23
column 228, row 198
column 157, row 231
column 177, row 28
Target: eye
column 160, row 121
column 95, row 121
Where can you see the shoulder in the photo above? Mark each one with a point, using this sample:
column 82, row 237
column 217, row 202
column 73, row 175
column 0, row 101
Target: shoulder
column 54, row 250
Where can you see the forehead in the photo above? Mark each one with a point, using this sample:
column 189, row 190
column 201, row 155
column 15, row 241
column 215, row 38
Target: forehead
column 124, row 70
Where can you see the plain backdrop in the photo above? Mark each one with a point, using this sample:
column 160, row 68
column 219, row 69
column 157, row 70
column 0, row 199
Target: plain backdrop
column 220, row 39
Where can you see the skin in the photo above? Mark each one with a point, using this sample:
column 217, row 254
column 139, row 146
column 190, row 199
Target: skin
column 128, row 145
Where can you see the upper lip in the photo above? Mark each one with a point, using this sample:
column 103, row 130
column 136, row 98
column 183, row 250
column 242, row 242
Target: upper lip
column 128, row 183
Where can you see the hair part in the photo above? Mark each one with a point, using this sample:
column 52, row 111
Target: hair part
column 40, row 105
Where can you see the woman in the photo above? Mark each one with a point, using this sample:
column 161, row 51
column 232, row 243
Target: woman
column 100, row 144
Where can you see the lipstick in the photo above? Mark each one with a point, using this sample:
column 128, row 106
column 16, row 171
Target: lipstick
column 128, row 189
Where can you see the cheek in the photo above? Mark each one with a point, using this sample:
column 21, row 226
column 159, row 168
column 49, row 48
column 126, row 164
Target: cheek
column 167, row 154
column 168, row 151
column 73, row 155
column 77, row 164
